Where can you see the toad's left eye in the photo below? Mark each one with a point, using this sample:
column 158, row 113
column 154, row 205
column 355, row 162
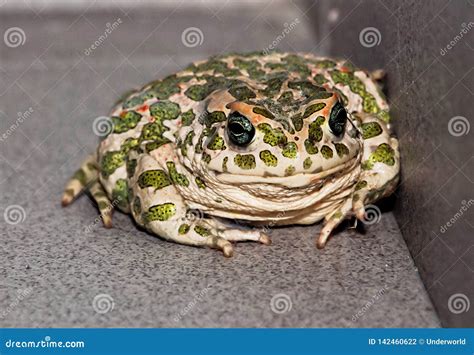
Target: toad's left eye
column 240, row 130
column 338, row 119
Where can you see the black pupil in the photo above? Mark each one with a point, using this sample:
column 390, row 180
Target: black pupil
column 338, row 118
column 240, row 130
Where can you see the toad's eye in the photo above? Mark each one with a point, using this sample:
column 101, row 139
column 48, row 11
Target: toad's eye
column 338, row 119
column 240, row 130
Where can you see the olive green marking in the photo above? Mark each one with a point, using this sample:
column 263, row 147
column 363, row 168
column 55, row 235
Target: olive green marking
column 295, row 63
column 126, row 121
column 320, row 79
column 297, row 122
column 290, row 150
column 203, row 232
column 315, row 132
column 131, row 167
column 337, row 215
column 356, row 197
column 290, row 170
column 110, row 162
column 198, row 92
column 163, row 89
column 308, row 89
column 155, row 144
column 224, row 164
column 216, row 143
column 120, row 193
column 200, row 183
column 213, row 117
column 310, row 146
column 272, row 136
column 341, row 149
column 245, row 161
column 103, row 205
column 205, row 132
column 154, row 178
column 69, row 192
column 176, row 178
column 307, row 163
column 264, row 112
column 187, row 118
column 137, row 206
column 370, row 130
column 151, row 131
column 206, row 158
column 313, row 108
column 81, row 176
column 325, row 63
column 383, row 154
column 188, row 140
column 286, row 98
column 165, row 110
column 273, row 85
column 129, row 144
column 161, row 212
column 326, row 152
column 360, row 185
column 184, row 228
column 268, row 158
column 242, row 93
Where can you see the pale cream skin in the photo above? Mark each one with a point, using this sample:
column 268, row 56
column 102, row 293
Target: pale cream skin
column 273, row 139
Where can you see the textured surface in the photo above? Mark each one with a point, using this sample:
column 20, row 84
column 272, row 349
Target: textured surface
column 429, row 87
column 55, row 261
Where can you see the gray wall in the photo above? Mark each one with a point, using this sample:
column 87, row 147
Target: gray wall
column 427, row 87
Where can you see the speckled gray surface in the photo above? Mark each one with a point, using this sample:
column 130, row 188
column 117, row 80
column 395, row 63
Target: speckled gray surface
column 52, row 268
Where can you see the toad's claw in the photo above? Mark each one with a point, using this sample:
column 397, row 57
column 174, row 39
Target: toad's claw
column 265, row 239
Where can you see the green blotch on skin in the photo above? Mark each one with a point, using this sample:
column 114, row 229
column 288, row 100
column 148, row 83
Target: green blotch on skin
column 154, row 178
column 290, row 170
column 286, row 98
column 341, row 149
column 206, row 158
column 213, row 117
column 273, row 85
column 176, row 178
column 110, row 162
column 161, row 212
column 245, row 161
column 200, row 183
column 337, row 215
column 203, row 232
column 307, row 163
column 325, row 63
column 131, row 166
column 187, row 118
column 290, row 150
column 81, row 176
column 360, row 185
column 320, row 79
column 310, row 146
column 217, row 143
column 242, row 93
column 151, row 131
column 313, row 108
column 297, row 122
column 187, row 141
column 268, row 158
column 262, row 111
column 198, row 92
column 129, row 144
column 156, row 144
column 137, row 206
column 224, row 164
column 184, row 228
column 103, row 205
column 370, row 130
column 120, row 193
column 326, row 152
column 165, row 110
column 383, row 154
column 127, row 121
column 272, row 136
column 315, row 132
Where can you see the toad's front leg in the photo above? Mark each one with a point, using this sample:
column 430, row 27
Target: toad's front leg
column 157, row 205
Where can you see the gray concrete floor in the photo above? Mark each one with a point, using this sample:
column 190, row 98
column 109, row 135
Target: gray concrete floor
column 51, row 268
